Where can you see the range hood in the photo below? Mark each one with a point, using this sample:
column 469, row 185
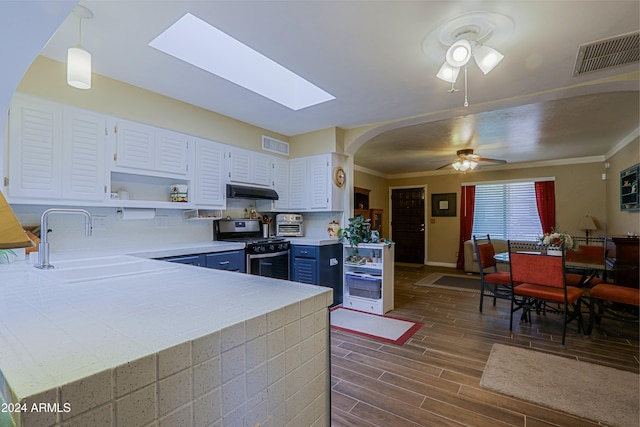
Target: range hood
column 254, row 193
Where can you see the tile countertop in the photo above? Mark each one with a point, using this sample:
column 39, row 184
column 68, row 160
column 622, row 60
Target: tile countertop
column 55, row 331
column 313, row 241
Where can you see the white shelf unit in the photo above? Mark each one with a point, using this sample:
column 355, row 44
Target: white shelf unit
column 369, row 287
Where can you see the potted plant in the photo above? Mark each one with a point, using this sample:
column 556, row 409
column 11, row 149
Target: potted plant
column 359, row 231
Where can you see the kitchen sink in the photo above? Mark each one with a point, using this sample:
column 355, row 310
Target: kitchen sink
column 87, row 269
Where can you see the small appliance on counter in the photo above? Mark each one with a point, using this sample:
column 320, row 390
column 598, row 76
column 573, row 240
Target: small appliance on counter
column 289, row 225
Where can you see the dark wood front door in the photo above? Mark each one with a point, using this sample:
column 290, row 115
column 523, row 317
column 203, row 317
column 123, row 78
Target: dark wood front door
column 407, row 222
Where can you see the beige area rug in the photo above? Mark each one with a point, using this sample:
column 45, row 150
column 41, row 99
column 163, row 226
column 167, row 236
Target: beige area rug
column 451, row 281
column 595, row 392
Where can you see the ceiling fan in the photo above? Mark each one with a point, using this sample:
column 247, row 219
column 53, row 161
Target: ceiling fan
column 469, row 161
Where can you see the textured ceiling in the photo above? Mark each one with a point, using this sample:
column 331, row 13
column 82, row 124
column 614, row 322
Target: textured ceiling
column 379, row 59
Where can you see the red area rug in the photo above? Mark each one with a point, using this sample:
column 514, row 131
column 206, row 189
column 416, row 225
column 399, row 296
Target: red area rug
column 382, row 328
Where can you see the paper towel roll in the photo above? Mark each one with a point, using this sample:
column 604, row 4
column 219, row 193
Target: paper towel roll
column 137, row 213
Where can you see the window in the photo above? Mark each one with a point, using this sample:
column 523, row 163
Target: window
column 507, row 211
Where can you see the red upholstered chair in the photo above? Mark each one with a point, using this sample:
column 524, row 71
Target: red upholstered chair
column 613, row 302
column 494, row 284
column 541, row 280
column 588, row 254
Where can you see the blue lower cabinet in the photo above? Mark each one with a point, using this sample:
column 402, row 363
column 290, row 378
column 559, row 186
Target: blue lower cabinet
column 186, row 259
column 231, row 261
column 318, row 265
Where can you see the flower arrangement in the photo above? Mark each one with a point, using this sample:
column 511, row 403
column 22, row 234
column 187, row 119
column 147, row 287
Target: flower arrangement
column 561, row 240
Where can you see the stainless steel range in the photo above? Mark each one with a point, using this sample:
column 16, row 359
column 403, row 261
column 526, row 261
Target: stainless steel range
column 267, row 257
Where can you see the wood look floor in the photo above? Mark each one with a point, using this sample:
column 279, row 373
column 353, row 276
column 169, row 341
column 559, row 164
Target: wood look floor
column 434, row 378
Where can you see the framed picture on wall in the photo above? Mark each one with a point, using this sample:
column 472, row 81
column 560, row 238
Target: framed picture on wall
column 443, row 204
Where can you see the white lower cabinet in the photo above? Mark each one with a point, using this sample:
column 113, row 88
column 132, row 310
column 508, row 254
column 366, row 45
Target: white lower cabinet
column 369, row 287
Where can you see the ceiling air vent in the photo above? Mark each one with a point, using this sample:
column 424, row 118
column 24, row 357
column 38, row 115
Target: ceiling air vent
column 608, row 53
column 275, row 145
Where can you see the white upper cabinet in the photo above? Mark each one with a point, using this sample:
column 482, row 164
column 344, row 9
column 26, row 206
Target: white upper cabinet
column 209, row 183
column 70, row 156
column 298, row 184
column 280, row 182
column 55, row 152
column 279, row 169
column 83, row 160
column 248, row 167
column 171, row 152
column 148, row 148
column 310, row 185
column 317, row 182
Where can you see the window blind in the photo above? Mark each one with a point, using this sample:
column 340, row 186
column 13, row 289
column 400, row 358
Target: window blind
column 507, row 211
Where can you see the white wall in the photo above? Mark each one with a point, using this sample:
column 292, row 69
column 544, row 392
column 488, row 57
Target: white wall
column 25, row 27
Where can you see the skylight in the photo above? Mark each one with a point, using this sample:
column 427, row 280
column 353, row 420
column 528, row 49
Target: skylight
column 194, row 41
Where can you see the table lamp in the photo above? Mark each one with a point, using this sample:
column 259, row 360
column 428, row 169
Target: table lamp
column 587, row 224
column 12, row 234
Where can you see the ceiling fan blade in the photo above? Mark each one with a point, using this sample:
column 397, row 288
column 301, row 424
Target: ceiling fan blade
column 442, row 167
column 485, row 159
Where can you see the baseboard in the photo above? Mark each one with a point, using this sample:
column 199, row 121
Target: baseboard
column 441, row 264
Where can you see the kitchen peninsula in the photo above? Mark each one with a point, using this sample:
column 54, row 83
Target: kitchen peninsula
column 125, row 340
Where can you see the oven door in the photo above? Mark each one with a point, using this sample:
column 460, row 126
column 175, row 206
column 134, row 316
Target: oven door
column 275, row 264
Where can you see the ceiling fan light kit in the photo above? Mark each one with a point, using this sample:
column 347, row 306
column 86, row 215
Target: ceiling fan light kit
column 467, row 161
column 466, row 36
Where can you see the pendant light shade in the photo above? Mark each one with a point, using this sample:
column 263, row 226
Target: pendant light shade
column 78, row 68
column 78, row 59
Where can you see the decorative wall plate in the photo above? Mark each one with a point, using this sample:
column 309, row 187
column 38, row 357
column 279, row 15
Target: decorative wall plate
column 339, row 177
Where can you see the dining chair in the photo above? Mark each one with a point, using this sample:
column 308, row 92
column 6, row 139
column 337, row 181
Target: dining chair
column 593, row 253
column 607, row 301
column 540, row 279
column 494, row 284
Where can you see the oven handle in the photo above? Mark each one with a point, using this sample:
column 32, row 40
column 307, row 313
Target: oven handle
column 269, row 255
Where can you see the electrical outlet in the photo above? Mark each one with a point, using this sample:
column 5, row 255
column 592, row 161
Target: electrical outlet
column 98, row 223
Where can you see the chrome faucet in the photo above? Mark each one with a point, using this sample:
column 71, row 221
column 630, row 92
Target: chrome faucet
column 43, row 247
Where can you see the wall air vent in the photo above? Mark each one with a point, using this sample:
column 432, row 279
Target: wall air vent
column 275, row 145
column 608, row 53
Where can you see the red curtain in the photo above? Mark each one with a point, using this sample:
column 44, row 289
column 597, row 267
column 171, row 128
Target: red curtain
column 467, row 204
column 546, row 202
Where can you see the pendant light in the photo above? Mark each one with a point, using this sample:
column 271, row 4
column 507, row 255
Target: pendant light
column 78, row 59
